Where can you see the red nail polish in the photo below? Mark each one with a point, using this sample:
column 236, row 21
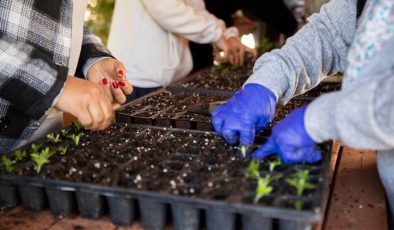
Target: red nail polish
column 105, row 81
column 120, row 72
column 122, row 83
column 115, row 85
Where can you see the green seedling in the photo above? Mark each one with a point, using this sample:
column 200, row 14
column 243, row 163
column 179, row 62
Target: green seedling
column 42, row 158
column 274, row 163
column 75, row 138
column 62, row 150
column 54, row 138
column 266, row 45
column 300, row 182
column 298, row 204
column 252, row 172
column 263, row 187
column 8, row 164
column 77, row 125
column 35, row 148
column 20, row 155
column 244, row 151
column 64, row 133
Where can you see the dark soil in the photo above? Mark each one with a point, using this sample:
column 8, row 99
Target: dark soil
column 186, row 163
column 323, row 88
column 225, row 78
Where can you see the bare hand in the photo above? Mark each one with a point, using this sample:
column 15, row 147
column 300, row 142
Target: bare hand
column 111, row 74
column 86, row 101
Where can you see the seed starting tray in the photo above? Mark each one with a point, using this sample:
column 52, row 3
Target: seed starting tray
column 169, row 108
column 190, row 178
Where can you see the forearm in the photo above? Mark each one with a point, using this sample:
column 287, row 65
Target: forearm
column 317, row 50
column 193, row 23
column 29, row 79
column 361, row 117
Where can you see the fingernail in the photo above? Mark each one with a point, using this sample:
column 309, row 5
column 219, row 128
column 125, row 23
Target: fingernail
column 105, row 81
column 120, row 72
column 115, row 85
column 122, row 83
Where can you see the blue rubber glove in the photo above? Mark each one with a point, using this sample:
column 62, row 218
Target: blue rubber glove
column 290, row 141
column 245, row 114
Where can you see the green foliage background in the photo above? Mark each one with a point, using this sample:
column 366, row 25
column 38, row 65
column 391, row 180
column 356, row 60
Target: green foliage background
column 99, row 20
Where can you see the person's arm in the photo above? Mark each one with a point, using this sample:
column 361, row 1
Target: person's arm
column 92, row 51
column 29, row 79
column 194, row 23
column 317, row 50
column 361, row 117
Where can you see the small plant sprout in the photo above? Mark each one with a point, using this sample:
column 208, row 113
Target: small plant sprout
column 54, row 138
column 62, row 150
column 263, row 187
column 35, row 148
column 8, row 164
column 76, row 138
column 244, row 150
column 77, row 125
column 300, row 182
column 20, row 155
column 252, row 171
column 42, row 158
column 272, row 164
column 64, row 132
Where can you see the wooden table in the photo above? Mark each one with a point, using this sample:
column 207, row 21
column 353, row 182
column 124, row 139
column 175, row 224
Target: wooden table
column 357, row 202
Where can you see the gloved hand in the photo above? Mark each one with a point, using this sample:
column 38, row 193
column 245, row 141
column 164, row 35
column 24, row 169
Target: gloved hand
column 245, row 114
column 290, row 141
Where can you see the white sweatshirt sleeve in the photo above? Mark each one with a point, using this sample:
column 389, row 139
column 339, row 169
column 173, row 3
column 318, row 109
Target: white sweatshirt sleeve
column 193, row 22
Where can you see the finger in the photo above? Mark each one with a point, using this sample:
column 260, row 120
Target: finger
column 313, row 155
column 269, row 148
column 106, row 106
column 261, row 124
column 218, row 123
column 246, row 137
column 85, row 119
column 106, row 88
column 230, row 135
column 241, row 54
column 117, row 93
column 97, row 115
column 126, row 87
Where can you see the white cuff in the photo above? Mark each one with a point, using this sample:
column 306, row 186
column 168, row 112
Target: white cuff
column 231, row 32
column 89, row 63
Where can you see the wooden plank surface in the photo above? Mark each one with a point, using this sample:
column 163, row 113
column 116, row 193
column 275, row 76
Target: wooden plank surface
column 18, row 219
column 77, row 222
column 358, row 199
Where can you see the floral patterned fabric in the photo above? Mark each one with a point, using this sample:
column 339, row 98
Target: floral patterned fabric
column 376, row 28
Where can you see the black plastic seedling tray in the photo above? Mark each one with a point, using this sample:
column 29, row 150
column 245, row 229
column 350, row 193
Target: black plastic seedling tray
column 192, row 179
column 169, row 108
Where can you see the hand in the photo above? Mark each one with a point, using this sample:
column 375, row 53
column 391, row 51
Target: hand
column 236, row 51
column 220, row 50
column 87, row 102
column 245, row 114
column 111, row 73
column 290, row 141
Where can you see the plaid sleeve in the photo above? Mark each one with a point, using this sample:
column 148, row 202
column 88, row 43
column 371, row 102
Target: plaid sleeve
column 29, row 79
column 91, row 47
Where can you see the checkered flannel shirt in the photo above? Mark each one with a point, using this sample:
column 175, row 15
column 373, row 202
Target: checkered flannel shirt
column 35, row 46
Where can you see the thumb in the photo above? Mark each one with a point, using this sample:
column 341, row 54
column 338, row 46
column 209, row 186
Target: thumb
column 266, row 150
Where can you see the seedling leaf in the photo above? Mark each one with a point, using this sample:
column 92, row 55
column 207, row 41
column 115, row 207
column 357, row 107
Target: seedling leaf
column 35, row 148
column 8, row 164
column 77, row 125
column 20, row 154
column 63, row 150
column 75, row 138
column 253, row 170
column 274, row 163
column 300, row 182
column 42, row 158
column 263, row 187
column 54, row 138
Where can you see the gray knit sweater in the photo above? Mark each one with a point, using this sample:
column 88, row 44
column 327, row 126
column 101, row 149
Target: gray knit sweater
column 361, row 115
